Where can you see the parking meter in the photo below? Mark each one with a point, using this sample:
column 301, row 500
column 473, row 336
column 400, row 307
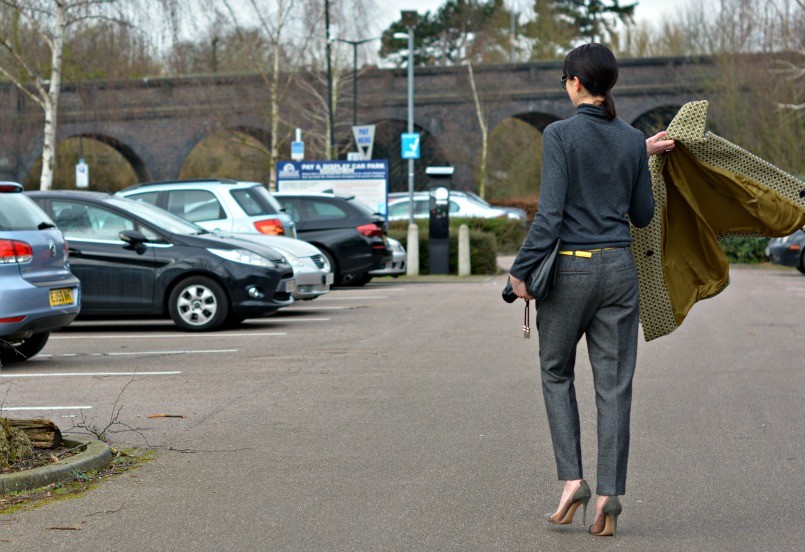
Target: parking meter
column 440, row 179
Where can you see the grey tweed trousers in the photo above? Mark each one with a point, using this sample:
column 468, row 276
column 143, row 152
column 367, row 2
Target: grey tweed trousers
column 596, row 297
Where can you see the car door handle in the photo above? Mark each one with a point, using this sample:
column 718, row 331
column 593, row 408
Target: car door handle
column 73, row 252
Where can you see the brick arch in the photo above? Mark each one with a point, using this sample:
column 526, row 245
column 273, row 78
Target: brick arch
column 387, row 146
column 134, row 159
column 655, row 119
column 261, row 134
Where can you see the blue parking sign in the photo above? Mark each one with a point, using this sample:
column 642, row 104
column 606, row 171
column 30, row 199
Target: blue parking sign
column 410, row 145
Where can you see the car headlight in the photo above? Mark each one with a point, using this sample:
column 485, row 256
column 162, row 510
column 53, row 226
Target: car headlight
column 243, row 256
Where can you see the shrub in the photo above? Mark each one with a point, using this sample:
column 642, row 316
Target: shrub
column 508, row 234
column 745, row 250
column 483, row 254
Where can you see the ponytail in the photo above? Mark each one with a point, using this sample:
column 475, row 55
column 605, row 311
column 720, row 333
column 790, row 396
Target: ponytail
column 609, row 105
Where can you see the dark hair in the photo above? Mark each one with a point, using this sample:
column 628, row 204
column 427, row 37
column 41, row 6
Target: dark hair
column 597, row 69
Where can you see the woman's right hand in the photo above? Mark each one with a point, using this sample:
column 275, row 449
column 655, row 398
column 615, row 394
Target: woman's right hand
column 656, row 144
column 520, row 289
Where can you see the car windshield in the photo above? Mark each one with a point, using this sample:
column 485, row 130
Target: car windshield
column 158, row 217
column 256, row 201
column 18, row 212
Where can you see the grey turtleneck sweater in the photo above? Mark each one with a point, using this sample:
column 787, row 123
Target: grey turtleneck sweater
column 594, row 173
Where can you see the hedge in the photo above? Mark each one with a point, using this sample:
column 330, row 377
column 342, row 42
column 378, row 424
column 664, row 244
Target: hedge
column 483, row 255
column 509, row 234
column 745, row 250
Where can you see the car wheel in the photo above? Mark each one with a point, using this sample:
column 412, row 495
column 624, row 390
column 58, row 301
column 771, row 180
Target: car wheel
column 23, row 349
column 198, row 304
column 362, row 279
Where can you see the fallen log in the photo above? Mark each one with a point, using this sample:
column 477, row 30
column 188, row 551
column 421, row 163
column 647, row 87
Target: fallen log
column 43, row 434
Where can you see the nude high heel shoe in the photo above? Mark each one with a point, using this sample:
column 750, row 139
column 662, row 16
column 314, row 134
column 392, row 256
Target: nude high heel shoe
column 611, row 510
column 580, row 498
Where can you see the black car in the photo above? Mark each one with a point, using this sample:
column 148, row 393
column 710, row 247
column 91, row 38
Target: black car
column 788, row 251
column 135, row 259
column 349, row 233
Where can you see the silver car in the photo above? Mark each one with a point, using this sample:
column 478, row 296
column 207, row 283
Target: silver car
column 462, row 205
column 311, row 271
column 38, row 293
column 397, row 266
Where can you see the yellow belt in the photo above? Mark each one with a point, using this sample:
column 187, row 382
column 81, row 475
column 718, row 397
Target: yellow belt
column 586, row 254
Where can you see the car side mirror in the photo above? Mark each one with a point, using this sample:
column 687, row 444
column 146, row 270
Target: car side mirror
column 132, row 237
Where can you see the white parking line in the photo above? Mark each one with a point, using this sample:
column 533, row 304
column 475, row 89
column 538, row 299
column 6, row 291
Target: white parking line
column 85, row 374
column 144, row 353
column 158, row 336
column 283, row 319
column 353, row 298
column 3, row 409
column 308, row 309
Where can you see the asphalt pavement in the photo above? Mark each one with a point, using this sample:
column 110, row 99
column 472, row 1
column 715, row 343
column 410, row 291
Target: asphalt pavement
column 409, row 416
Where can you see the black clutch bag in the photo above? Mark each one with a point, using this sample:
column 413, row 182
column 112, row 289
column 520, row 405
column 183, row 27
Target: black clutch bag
column 540, row 281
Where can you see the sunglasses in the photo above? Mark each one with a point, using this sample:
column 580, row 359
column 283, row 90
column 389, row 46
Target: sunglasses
column 565, row 78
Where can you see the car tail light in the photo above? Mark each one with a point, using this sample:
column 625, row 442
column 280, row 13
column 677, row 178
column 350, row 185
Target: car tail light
column 66, row 250
column 12, row 319
column 9, row 188
column 794, row 247
column 12, row 251
column 371, row 230
column 272, row 227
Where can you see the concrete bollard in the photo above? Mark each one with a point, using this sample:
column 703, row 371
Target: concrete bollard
column 412, row 250
column 464, row 264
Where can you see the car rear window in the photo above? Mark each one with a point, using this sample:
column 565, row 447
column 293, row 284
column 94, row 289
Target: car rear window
column 361, row 207
column 256, row 201
column 323, row 210
column 18, row 212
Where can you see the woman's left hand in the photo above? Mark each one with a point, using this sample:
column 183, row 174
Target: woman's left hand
column 656, row 144
column 519, row 288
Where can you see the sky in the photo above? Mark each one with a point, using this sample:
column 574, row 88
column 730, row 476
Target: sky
column 647, row 10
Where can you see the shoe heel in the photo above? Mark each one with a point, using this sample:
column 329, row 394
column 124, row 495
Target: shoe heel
column 584, row 511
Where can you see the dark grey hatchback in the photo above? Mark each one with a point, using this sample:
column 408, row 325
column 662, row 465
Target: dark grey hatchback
column 349, row 233
column 135, row 259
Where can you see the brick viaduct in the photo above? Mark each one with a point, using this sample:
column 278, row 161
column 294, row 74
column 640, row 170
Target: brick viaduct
column 155, row 123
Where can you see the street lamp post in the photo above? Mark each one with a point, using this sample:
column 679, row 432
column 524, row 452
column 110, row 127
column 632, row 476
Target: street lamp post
column 409, row 19
column 355, row 44
column 330, row 116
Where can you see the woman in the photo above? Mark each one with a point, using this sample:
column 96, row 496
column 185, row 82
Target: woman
column 595, row 171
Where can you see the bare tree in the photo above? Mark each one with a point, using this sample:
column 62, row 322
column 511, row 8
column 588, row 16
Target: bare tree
column 37, row 72
column 758, row 59
column 272, row 19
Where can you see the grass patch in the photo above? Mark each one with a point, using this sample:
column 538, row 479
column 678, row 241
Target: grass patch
column 75, row 487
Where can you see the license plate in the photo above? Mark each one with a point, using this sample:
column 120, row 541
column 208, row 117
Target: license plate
column 59, row 297
column 328, row 278
column 288, row 286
